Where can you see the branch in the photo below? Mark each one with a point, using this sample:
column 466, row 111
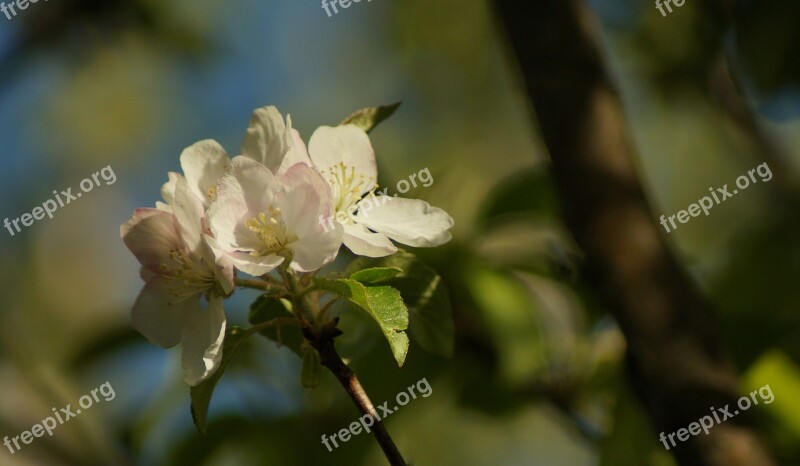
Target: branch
column 676, row 364
column 322, row 341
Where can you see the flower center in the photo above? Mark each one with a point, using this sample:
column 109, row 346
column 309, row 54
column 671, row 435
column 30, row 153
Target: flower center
column 346, row 186
column 186, row 278
column 271, row 231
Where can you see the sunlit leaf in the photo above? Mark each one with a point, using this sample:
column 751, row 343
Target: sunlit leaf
column 383, row 303
column 430, row 313
column 375, row 275
column 368, row 118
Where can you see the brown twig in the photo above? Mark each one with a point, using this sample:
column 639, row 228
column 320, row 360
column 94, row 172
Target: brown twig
column 322, row 341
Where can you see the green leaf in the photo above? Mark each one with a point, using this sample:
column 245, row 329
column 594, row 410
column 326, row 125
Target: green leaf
column 375, row 275
column 510, row 315
column 201, row 394
column 312, row 367
column 430, row 313
column 264, row 309
column 383, row 303
column 368, row 118
column 775, row 370
column 529, row 192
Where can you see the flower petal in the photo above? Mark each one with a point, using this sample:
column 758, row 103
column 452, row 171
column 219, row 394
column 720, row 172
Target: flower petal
column 305, row 199
column 265, row 141
column 202, row 340
column 313, row 251
column 157, row 317
column 150, row 235
column 243, row 191
column 345, row 147
column 363, row 242
column 223, row 270
column 203, row 163
column 255, row 265
column 409, row 221
column 297, row 152
column 168, row 188
column 188, row 211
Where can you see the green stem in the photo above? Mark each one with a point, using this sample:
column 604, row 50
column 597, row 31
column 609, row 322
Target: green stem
column 277, row 290
column 276, row 322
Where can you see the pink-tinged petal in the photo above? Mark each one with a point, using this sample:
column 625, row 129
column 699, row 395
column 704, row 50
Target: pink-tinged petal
column 223, row 265
column 265, row 141
column 202, row 339
column 168, row 188
column 146, row 274
column 315, row 250
column 363, row 242
column 244, row 191
column 305, row 199
column 347, row 145
column 251, row 182
column 255, row 265
column 150, row 235
column 203, row 163
column 157, row 315
column 409, row 221
column 296, row 153
column 188, row 211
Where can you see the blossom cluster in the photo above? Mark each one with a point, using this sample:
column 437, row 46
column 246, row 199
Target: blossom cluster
column 253, row 213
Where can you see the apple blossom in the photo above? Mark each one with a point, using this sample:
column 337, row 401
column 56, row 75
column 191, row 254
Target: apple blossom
column 272, row 142
column 202, row 163
column 179, row 268
column 260, row 219
column 344, row 157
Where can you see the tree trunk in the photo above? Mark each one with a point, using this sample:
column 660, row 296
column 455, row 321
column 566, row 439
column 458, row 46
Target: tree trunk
column 675, row 362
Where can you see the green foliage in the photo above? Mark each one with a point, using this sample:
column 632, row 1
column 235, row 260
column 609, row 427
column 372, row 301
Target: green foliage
column 430, row 312
column 383, row 303
column 782, row 375
column 529, row 192
column 201, row 394
column 375, row 275
column 368, row 118
column 312, row 367
column 264, row 309
column 509, row 314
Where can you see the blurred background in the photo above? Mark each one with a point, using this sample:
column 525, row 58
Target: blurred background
column 538, row 376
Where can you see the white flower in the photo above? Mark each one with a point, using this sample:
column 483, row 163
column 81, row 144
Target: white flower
column 260, row 219
column 272, row 142
column 203, row 163
column 179, row 268
column 344, row 157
